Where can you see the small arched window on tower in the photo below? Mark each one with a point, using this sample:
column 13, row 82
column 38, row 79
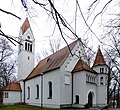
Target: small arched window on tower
column 101, row 70
column 25, row 45
column 30, row 47
column 101, row 80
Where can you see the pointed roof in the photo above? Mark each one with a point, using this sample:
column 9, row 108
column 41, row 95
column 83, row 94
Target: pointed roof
column 52, row 62
column 99, row 60
column 80, row 66
column 13, row 86
column 25, row 25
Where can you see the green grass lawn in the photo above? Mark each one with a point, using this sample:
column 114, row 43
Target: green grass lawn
column 21, row 107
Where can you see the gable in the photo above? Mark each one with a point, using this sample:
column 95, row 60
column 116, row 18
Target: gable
column 51, row 62
column 81, row 65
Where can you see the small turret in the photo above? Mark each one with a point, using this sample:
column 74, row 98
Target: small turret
column 99, row 64
column 101, row 68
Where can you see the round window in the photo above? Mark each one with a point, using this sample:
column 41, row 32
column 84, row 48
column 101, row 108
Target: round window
column 28, row 37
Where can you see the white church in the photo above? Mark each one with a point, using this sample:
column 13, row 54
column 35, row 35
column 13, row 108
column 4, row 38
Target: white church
column 62, row 79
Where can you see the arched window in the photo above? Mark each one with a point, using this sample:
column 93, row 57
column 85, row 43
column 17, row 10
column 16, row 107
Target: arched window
column 86, row 77
column 37, row 91
column 101, row 70
column 106, row 80
column 30, row 47
column 77, row 99
column 90, row 78
column 50, row 89
column 6, row 94
column 101, row 80
column 25, row 45
column 28, row 93
column 94, row 80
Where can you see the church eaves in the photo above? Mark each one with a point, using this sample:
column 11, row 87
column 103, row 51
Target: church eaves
column 99, row 60
column 25, row 25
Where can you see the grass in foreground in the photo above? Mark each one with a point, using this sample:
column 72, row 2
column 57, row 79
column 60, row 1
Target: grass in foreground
column 21, row 107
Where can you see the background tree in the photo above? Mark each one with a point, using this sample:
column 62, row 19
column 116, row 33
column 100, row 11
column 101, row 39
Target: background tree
column 51, row 46
column 111, row 41
column 7, row 62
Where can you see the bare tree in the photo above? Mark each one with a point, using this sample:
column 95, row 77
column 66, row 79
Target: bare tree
column 7, row 63
column 112, row 40
column 53, row 46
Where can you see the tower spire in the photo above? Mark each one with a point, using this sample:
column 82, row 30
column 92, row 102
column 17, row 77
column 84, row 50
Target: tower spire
column 99, row 60
column 25, row 25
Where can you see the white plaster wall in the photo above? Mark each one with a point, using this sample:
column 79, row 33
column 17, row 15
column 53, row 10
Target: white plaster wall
column 91, row 88
column 102, row 95
column 54, row 77
column 65, row 89
column 13, row 97
column 25, row 65
column 102, row 91
column 33, row 91
column 82, row 88
column 79, row 86
column 22, row 92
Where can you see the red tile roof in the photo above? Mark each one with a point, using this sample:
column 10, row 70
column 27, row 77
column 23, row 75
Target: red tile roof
column 51, row 62
column 99, row 60
column 13, row 86
column 25, row 25
column 80, row 66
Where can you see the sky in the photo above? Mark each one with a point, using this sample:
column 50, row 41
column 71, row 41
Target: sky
column 43, row 26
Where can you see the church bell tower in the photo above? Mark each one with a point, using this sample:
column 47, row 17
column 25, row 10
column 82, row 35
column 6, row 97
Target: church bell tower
column 26, row 51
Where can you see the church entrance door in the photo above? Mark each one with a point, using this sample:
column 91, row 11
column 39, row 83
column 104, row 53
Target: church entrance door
column 90, row 99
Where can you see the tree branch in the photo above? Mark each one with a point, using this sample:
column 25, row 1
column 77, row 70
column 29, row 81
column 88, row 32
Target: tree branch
column 10, row 13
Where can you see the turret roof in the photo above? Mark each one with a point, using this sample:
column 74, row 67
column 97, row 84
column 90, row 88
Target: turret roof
column 99, row 60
